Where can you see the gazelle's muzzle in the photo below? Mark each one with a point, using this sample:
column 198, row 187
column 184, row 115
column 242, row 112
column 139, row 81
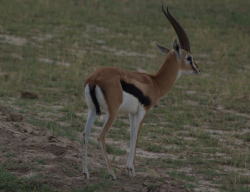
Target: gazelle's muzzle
column 195, row 68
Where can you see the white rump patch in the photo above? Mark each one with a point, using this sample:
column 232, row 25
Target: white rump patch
column 88, row 99
column 100, row 98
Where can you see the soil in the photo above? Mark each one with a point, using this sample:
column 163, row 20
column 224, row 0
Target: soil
column 28, row 151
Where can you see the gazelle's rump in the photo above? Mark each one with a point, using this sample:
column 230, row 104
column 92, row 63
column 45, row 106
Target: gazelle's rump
column 130, row 103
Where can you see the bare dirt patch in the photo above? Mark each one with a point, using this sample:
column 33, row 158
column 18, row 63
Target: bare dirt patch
column 236, row 113
column 117, row 52
column 13, row 40
column 43, row 37
column 28, row 151
column 50, row 61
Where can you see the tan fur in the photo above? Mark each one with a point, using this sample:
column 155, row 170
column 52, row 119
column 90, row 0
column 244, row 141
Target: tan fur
column 153, row 86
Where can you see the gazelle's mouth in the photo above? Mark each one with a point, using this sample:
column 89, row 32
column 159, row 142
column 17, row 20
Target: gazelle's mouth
column 195, row 68
column 197, row 71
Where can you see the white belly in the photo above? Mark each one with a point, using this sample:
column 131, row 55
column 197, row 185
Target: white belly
column 129, row 104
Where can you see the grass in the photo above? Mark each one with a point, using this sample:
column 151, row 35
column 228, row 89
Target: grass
column 95, row 187
column 236, row 182
column 203, row 121
column 115, row 150
column 11, row 183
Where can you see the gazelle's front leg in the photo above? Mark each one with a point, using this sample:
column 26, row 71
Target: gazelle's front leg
column 135, row 123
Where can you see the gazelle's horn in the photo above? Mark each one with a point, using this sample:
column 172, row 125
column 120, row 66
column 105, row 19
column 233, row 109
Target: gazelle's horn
column 182, row 36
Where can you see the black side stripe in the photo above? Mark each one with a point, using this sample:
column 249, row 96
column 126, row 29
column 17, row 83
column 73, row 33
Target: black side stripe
column 133, row 90
column 94, row 99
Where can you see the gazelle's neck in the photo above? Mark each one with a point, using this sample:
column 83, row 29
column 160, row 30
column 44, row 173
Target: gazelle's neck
column 168, row 73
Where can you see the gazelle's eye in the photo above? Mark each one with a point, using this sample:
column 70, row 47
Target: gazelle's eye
column 189, row 58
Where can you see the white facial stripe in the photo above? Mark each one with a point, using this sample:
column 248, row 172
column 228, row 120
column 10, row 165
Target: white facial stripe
column 194, row 66
column 191, row 62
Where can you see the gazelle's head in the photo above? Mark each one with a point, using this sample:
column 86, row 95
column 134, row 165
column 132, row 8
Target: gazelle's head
column 181, row 48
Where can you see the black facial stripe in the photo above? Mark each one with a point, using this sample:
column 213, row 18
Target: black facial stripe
column 133, row 90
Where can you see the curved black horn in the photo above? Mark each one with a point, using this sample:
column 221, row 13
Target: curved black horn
column 182, row 36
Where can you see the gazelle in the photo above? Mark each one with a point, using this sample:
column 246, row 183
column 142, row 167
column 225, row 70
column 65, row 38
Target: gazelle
column 114, row 90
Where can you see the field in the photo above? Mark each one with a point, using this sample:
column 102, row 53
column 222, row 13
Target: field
column 196, row 139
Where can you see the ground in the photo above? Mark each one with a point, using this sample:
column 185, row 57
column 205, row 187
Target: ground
column 196, row 139
column 55, row 160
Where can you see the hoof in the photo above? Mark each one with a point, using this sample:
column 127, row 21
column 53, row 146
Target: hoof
column 86, row 175
column 131, row 172
column 113, row 176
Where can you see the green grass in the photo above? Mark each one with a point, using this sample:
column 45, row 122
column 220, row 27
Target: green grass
column 115, row 150
column 11, row 183
column 202, row 122
column 236, row 182
column 98, row 187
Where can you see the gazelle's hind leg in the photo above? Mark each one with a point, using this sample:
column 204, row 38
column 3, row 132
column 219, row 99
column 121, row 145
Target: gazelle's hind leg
column 85, row 137
column 113, row 100
column 107, row 125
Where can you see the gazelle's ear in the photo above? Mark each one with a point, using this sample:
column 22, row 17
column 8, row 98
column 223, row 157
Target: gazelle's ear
column 162, row 49
column 177, row 47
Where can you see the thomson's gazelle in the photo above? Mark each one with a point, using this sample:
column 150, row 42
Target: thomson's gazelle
column 113, row 90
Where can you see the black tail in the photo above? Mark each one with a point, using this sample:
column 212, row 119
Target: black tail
column 94, row 99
